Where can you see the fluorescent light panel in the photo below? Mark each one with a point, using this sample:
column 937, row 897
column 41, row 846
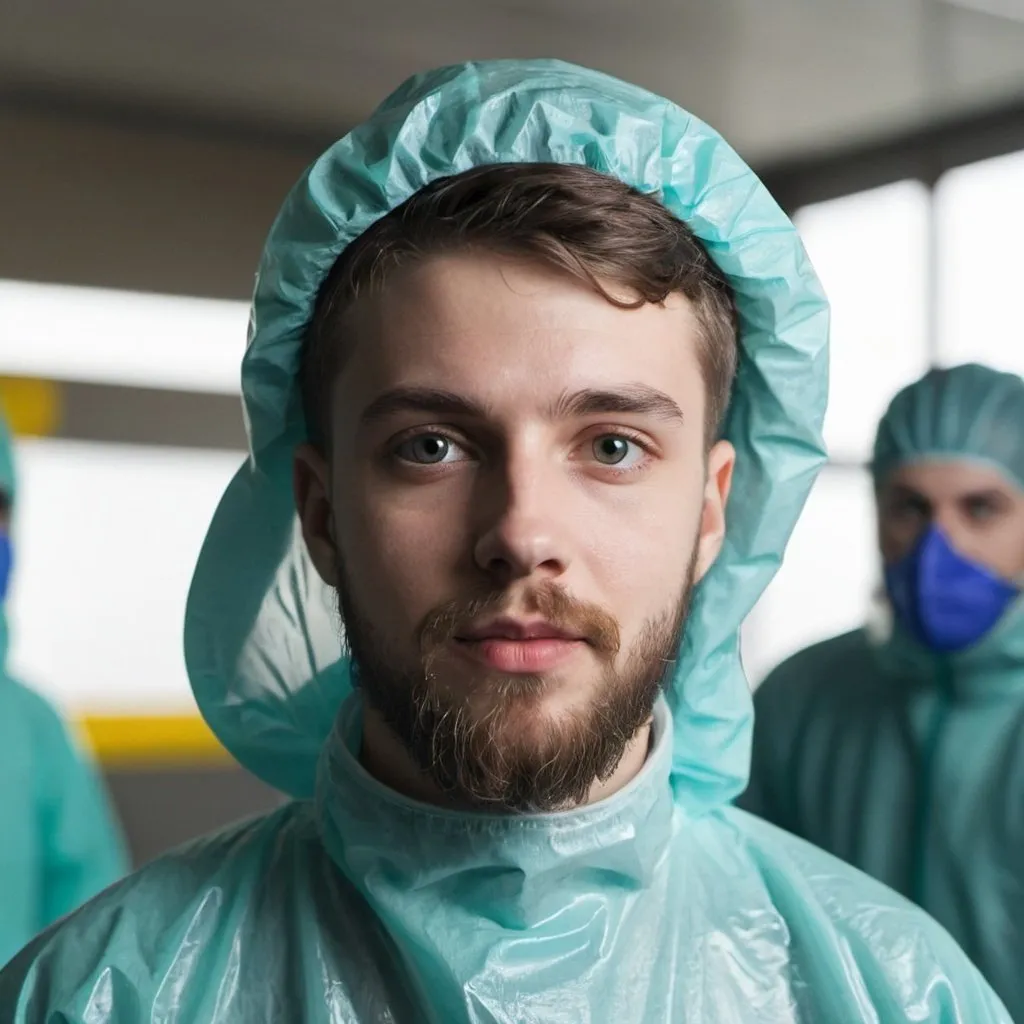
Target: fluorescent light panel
column 104, row 336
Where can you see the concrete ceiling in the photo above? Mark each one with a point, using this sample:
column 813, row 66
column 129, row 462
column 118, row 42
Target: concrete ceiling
column 778, row 77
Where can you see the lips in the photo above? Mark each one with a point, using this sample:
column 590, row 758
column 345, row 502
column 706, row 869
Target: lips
column 514, row 647
column 512, row 629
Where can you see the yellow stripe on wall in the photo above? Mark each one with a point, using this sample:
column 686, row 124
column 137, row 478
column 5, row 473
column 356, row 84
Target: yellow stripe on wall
column 152, row 740
column 33, row 407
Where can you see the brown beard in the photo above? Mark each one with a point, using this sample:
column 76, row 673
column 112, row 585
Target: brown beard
column 505, row 755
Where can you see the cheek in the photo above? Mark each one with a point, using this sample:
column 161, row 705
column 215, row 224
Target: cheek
column 642, row 549
column 400, row 549
column 897, row 537
column 1018, row 568
column 1002, row 548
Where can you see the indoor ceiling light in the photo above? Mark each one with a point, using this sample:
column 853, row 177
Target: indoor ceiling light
column 103, row 336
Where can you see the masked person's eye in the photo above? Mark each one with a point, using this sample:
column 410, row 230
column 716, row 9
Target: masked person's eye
column 981, row 510
column 430, row 450
column 910, row 509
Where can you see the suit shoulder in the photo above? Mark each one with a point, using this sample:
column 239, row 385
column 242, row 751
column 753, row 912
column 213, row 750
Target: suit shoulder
column 831, row 661
column 903, row 957
column 190, row 893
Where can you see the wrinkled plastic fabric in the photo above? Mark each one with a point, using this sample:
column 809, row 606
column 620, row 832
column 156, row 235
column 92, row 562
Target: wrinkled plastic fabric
column 354, row 904
column 634, row 911
column 58, row 843
column 968, row 412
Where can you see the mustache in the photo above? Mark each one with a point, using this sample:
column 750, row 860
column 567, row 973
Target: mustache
column 549, row 601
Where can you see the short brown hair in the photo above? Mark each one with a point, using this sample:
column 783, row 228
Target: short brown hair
column 571, row 218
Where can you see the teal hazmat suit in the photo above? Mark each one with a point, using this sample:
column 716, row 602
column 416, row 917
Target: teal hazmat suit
column 354, row 904
column 902, row 761
column 59, row 845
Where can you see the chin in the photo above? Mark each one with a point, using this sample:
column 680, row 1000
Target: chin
column 521, row 707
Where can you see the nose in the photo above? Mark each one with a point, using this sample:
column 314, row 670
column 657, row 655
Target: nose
column 522, row 534
column 949, row 523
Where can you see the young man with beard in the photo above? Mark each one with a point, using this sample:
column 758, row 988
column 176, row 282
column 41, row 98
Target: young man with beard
column 493, row 339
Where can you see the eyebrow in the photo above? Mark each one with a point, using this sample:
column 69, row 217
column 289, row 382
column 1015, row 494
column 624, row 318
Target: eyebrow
column 903, row 491
column 635, row 399
column 995, row 494
column 433, row 400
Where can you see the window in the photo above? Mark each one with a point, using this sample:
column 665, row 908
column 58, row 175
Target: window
column 826, row 583
column 979, row 213
column 871, row 252
column 107, row 534
column 891, row 320
column 106, row 539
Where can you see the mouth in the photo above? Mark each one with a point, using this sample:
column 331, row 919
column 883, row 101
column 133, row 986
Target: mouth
column 511, row 646
column 514, row 629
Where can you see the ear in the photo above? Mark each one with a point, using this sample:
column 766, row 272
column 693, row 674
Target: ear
column 311, row 484
column 721, row 461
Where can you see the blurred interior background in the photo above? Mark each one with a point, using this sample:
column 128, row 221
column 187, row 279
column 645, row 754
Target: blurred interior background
column 145, row 148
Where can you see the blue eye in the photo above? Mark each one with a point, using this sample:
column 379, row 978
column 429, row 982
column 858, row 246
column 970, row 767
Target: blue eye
column 615, row 450
column 429, row 450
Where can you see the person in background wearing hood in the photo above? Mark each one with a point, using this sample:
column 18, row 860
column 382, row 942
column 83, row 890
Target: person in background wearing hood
column 491, row 365
column 59, row 845
column 904, row 755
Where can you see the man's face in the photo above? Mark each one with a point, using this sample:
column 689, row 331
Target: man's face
column 517, row 502
column 980, row 512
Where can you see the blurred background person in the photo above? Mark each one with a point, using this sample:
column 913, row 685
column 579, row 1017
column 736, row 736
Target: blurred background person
column 60, row 844
column 901, row 748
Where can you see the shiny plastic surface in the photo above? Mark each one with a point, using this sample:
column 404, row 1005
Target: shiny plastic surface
column 58, row 842
column 966, row 412
column 634, row 911
column 661, row 904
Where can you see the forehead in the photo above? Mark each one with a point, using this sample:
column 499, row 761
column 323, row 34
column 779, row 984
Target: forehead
column 499, row 329
column 941, row 479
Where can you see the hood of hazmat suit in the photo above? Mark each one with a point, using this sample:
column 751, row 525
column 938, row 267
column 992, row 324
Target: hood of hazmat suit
column 903, row 761
column 60, row 845
column 659, row 904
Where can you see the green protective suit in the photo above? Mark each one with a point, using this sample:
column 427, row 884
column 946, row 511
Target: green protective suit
column 59, row 844
column 353, row 904
column 909, row 764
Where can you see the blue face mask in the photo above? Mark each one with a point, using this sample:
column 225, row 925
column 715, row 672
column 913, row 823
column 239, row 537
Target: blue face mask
column 6, row 561
column 945, row 600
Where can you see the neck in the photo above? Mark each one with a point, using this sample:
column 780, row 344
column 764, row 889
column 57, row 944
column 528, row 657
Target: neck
column 383, row 755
